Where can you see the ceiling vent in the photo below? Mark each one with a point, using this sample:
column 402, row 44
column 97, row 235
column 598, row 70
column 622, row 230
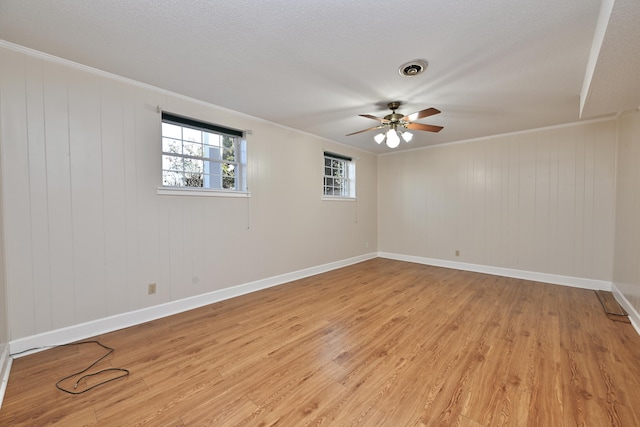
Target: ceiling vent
column 413, row 68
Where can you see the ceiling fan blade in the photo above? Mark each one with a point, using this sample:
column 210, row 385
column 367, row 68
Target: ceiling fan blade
column 380, row 119
column 421, row 114
column 365, row 130
column 420, row 126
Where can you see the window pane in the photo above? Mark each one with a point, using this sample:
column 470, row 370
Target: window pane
column 198, row 157
column 170, row 145
column 228, row 175
column 171, row 131
column 211, row 139
column 212, row 153
column 193, row 149
column 194, row 135
column 229, row 182
column 193, row 165
column 229, row 154
column 172, row 179
column 339, row 177
column 193, row 179
column 172, row 163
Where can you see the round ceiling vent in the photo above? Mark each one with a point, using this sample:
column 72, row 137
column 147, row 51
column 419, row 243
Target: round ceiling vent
column 413, row 68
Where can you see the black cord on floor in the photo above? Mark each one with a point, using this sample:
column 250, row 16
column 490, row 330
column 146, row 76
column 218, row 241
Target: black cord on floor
column 124, row 372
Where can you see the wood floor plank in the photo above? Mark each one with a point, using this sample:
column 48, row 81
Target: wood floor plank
column 380, row 343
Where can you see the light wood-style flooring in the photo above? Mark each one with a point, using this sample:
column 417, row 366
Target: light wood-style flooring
column 379, row 343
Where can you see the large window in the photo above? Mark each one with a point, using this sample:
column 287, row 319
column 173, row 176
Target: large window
column 339, row 176
column 202, row 155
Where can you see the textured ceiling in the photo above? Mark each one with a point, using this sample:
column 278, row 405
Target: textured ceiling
column 612, row 80
column 494, row 66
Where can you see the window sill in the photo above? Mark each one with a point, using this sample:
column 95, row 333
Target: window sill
column 339, row 199
column 200, row 192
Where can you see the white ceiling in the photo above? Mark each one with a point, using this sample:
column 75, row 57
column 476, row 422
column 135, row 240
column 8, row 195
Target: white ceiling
column 495, row 66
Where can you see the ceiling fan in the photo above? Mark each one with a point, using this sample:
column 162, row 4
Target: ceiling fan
column 395, row 125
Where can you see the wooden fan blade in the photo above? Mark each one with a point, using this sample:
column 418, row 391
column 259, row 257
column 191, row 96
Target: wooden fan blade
column 365, row 130
column 380, row 119
column 421, row 114
column 420, row 126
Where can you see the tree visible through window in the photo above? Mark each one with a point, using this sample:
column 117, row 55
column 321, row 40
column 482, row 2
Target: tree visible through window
column 199, row 154
column 339, row 176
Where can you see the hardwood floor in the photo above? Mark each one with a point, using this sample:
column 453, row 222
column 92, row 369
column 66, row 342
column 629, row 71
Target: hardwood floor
column 380, row 343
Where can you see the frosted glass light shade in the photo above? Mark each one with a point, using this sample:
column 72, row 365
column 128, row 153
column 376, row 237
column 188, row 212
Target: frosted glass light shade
column 379, row 138
column 393, row 140
column 407, row 136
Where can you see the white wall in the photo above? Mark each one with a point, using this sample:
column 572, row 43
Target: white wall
column 4, row 325
column 539, row 201
column 85, row 230
column 626, row 275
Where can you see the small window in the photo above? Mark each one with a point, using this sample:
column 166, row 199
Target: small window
column 202, row 155
column 339, row 176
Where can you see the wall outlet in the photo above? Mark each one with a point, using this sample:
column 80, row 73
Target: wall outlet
column 457, row 253
column 152, row 288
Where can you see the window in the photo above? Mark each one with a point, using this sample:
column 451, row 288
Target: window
column 202, row 155
column 339, row 176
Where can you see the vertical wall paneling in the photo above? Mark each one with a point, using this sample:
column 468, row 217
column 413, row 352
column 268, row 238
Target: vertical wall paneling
column 130, row 207
column 86, row 231
column 627, row 231
column 61, row 262
column 163, row 288
column 198, row 247
column 554, row 202
column 513, row 202
column 604, row 178
column 40, row 244
column 176, row 233
column 114, row 185
column 537, row 201
column 17, row 200
column 589, row 202
column 567, row 212
column 541, row 203
column 493, row 237
column 578, row 219
column 147, row 165
column 87, row 196
column 526, row 215
column 4, row 315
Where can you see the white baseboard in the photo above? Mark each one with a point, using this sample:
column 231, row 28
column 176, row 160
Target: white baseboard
column 576, row 282
column 634, row 316
column 5, row 369
column 125, row 320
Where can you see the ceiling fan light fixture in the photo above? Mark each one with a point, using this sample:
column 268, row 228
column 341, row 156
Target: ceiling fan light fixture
column 413, row 68
column 407, row 136
column 393, row 140
column 395, row 125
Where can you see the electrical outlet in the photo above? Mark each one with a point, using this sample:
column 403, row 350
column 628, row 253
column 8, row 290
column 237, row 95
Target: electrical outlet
column 457, row 253
column 152, row 288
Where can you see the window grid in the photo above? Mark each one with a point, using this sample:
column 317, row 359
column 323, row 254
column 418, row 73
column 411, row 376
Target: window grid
column 339, row 177
column 193, row 157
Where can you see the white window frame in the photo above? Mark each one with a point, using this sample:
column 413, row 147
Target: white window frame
column 210, row 160
column 339, row 177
